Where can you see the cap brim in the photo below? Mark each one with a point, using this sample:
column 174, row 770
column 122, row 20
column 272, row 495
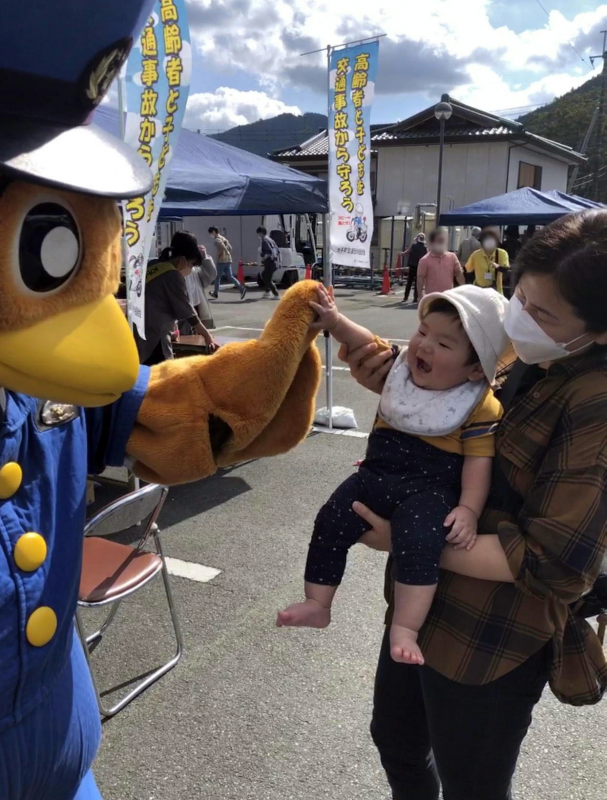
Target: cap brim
column 83, row 159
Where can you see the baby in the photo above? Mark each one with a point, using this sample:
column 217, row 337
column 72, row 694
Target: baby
column 428, row 461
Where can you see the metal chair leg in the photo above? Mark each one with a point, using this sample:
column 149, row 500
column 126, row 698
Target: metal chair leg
column 109, row 619
column 158, row 673
column 82, row 635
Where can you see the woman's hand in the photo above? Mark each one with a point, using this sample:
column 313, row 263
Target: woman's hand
column 327, row 315
column 379, row 537
column 211, row 344
column 370, row 373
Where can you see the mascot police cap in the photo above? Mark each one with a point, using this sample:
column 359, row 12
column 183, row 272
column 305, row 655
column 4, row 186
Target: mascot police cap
column 57, row 61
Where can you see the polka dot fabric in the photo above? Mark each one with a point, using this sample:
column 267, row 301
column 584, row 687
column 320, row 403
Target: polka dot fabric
column 403, row 479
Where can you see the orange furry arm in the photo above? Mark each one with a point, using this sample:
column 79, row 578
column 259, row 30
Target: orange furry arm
column 249, row 400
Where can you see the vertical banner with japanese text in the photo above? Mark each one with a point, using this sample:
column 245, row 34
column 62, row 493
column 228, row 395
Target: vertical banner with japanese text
column 351, row 89
column 157, row 86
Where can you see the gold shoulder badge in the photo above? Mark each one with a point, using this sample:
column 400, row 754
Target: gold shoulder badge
column 102, row 70
column 52, row 414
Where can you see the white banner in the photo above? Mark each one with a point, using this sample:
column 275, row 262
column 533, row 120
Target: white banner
column 352, row 85
column 157, row 86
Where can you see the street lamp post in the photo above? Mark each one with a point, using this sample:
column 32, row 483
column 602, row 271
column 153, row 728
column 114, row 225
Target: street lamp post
column 442, row 112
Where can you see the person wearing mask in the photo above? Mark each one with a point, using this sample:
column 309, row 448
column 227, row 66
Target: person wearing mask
column 507, row 619
column 439, row 270
column 224, row 264
column 196, row 282
column 487, row 266
column 469, row 246
column 415, row 253
column 269, row 258
column 167, row 301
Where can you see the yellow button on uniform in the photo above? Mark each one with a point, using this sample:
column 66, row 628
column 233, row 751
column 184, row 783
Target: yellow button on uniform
column 11, row 476
column 41, row 626
column 29, row 552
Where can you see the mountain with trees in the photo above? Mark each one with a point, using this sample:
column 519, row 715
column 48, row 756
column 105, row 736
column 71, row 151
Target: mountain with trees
column 566, row 120
column 277, row 133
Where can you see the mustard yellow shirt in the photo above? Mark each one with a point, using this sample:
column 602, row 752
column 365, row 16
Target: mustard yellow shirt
column 482, row 266
column 476, row 437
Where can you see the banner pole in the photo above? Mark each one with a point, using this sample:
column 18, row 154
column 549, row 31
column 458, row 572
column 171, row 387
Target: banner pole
column 326, row 261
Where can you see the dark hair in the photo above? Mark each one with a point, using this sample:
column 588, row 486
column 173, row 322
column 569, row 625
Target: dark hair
column 436, row 233
column 262, row 230
column 573, row 250
column 511, row 232
column 213, row 229
column 442, row 306
column 183, row 244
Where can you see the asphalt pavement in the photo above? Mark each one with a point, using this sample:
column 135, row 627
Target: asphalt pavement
column 252, row 712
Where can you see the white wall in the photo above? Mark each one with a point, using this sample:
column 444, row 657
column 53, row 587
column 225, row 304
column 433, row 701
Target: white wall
column 471, row 172
column 554, row 173
column 410, row 174
column 240, row 231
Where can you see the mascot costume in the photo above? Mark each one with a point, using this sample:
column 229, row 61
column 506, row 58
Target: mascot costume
column 73, row 397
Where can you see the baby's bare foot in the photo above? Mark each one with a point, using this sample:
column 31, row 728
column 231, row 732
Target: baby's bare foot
column 404, row 647
column 309, row 614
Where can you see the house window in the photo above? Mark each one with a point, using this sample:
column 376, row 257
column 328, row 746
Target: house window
column 529, row 175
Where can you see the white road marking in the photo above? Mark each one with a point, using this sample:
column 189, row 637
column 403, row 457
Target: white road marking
column 236, row 328
column 191, row 570
column 341, row 432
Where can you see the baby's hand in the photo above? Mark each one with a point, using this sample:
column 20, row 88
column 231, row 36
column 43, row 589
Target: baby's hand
column 463, row 533
column 327, row 315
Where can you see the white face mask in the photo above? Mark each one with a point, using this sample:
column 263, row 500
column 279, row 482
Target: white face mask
column 489, row 245
column 531, row 344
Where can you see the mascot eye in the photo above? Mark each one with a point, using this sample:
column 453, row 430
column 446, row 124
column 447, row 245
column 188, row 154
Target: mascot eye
column 49, row 247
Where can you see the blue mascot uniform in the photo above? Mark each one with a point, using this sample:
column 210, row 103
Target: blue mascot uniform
column 73, row 397
column 57, row 60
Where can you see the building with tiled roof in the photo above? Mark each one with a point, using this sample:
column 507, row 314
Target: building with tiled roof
column 485, row 155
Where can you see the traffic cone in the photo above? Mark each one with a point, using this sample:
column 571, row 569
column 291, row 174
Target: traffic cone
column 398, row 272
column 308, row 272
column 240, row 275
column 385, row 284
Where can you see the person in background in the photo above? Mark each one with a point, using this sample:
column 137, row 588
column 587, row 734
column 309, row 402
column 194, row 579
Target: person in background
column 488, row 265
column 269, row 258
column 469, row 246
column 415, row 252
column 512, row 243
column 506, row 615
column 439, row 270
column 224, row 264
column 196, row 282
column 530, row 232
column 167, row 301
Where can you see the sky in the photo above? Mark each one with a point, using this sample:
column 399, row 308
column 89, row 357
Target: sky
column 505, row 56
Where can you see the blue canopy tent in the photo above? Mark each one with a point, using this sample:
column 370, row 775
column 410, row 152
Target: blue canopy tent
column 522, row 207
column 208, row 177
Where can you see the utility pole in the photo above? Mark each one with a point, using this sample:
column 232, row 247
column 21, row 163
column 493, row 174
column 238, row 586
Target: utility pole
column 600, row 124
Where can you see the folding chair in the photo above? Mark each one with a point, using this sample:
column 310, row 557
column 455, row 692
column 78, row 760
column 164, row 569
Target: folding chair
column 112, row 572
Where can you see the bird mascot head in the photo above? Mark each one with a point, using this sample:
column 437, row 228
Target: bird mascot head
column 62, row 334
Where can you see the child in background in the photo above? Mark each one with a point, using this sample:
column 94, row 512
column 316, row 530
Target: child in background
column 428, row 462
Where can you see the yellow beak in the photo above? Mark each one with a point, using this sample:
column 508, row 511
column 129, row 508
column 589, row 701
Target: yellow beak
column 85, row 356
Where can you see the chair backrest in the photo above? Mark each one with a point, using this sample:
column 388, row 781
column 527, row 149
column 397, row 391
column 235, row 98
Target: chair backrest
column 128, row 511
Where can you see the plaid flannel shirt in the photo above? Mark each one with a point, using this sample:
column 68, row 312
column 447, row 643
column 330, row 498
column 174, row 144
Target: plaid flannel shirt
column 552, row 447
